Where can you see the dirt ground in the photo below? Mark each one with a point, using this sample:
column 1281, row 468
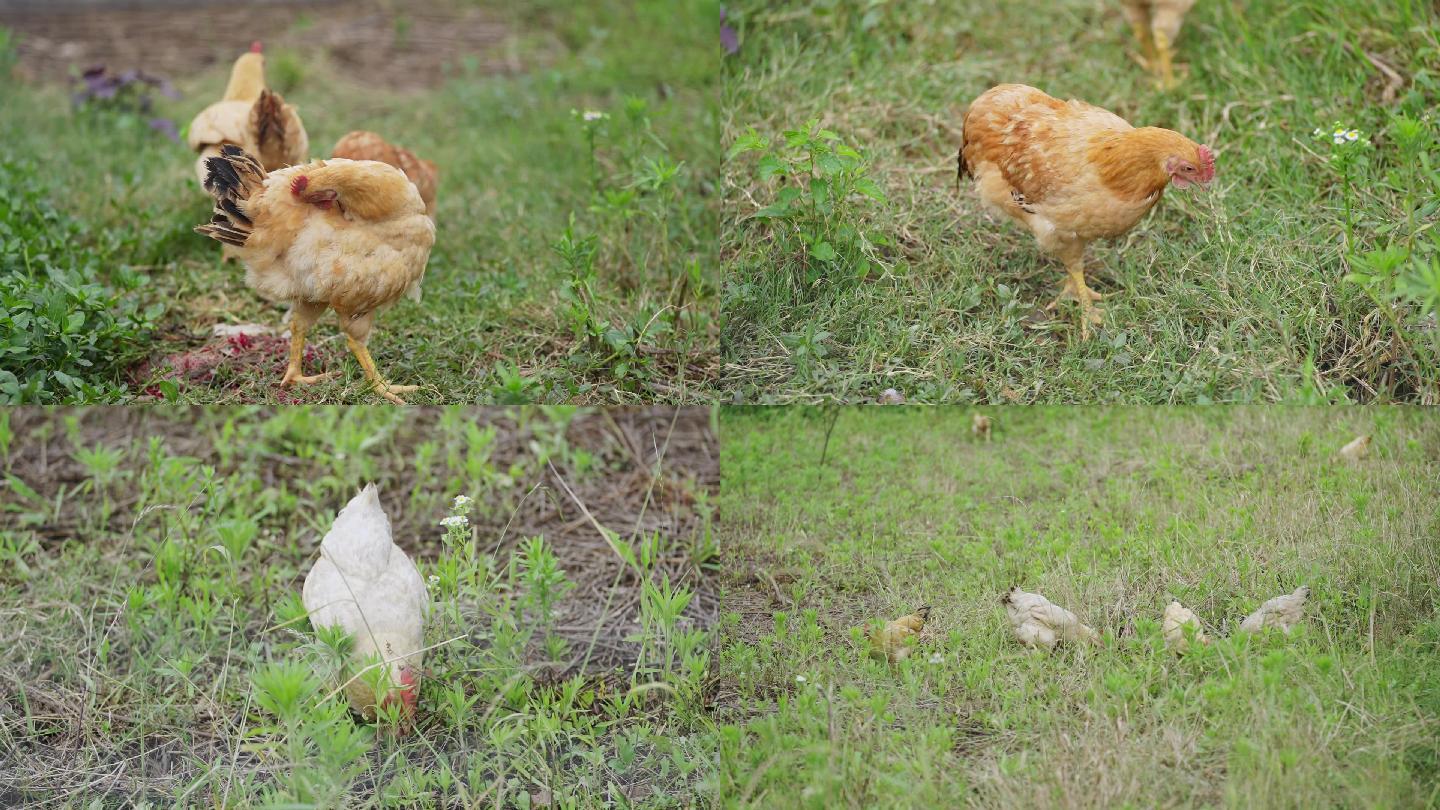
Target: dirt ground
column 403, row 46
column 661, row 469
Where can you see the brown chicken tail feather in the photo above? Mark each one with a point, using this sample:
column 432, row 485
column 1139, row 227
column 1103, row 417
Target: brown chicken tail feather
column 231, row 178
column 267, row 119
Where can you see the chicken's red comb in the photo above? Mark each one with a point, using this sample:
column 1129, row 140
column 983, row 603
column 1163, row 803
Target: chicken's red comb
column 1207, row 164
column 297, row 186
column 255, row 46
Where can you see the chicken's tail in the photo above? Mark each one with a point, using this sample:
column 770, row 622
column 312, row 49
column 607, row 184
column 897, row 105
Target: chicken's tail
column 231, row 178
column 267, row 119
column 960, row 168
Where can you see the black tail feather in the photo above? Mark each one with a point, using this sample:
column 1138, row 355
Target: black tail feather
column 231, row 178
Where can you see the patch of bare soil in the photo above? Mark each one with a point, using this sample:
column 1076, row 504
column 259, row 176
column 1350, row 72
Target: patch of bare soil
column 400, row 45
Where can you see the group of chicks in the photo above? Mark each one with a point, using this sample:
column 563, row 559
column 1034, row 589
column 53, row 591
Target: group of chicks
column 1037, row 622
column 351, row 233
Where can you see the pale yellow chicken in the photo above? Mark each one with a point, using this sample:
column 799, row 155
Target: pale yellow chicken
column 251, row 117
column 980, row 426
column 335, row 234
column 1357, row 449
column 1038, row 622
column 1283, row 612
column 362, row 145
column 1180, row 626
column 894, row 640
column 1156, row 24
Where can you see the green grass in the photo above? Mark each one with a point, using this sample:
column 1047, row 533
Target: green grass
column 1109, row 512
column 1235, row 294
column 157, row 652
column 628, row 313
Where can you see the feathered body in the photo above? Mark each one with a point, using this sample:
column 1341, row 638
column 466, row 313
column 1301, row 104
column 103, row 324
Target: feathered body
column 980, row 426
column 893, row 641
column 1174, row 623
column 1356, row 449
column 342, row 234
column 251, row 117
column 1283, row 612
column 362, row 145
column 366, row 585
column 1071, row 172
column 1040, row 623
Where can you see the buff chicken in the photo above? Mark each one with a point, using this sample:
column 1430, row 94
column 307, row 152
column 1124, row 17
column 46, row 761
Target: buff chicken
column 1071, row 173
column 362, row 145
column 1040, row 623
column 1283, row 612
column 1156, row 24
column 348, row 235
column 251, row 117
column 366, row 585
column 894, row 640
column 1180, row 626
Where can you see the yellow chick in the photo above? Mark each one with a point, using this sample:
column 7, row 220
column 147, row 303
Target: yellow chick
column 894, row 641
column 1357, row 449
column 1177, row 618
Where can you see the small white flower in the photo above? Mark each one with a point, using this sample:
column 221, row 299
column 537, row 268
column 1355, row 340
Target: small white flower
column 463, row 501
column 1339, row 138
column 594, row 115
column 455, row 520
column 937, row 658
column 1318, row 132
column 799, row 679
column 1351, row 135
column 433, row 580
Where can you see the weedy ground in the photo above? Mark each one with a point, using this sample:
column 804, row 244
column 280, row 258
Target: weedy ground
column 1308, row 272
column 573, row 262
column 1110, row 513
column 156, row 652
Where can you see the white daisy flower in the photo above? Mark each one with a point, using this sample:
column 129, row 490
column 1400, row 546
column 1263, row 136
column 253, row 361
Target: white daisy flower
column 1339, row 138
column 1352, row 134
column 463, row 501
column 455, row 520
column 593, row 115
column 433, row 580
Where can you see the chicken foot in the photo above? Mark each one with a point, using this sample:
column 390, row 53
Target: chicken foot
column 1164, row 54
column 1076, row 290
column 367, row 364
column 302, row 318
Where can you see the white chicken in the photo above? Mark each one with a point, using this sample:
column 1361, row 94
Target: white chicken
column 1177, row 618
column 1283, row 612
column 367, row 586
column 1040, row 623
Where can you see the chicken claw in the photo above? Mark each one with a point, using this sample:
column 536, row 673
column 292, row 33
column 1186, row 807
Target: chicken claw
column 1076, row 290
column 367, row 364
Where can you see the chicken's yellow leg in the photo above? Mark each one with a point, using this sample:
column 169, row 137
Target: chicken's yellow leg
column 1147, row 46
column 1076, row 289
column 1164, row 53
column 301, row 319
column 382, row 388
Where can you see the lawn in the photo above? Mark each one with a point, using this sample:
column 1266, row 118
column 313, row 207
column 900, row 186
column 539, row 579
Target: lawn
column 156, row 652
column 574, row 259
column 1308, row 272
column 1111, row 513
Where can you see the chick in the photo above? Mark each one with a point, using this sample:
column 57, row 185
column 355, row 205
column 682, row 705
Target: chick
column 894, row 641
column 980, row 426
column 1040, row 623
column 1177, row 618
column 1357, row 449
column 1283, row 612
